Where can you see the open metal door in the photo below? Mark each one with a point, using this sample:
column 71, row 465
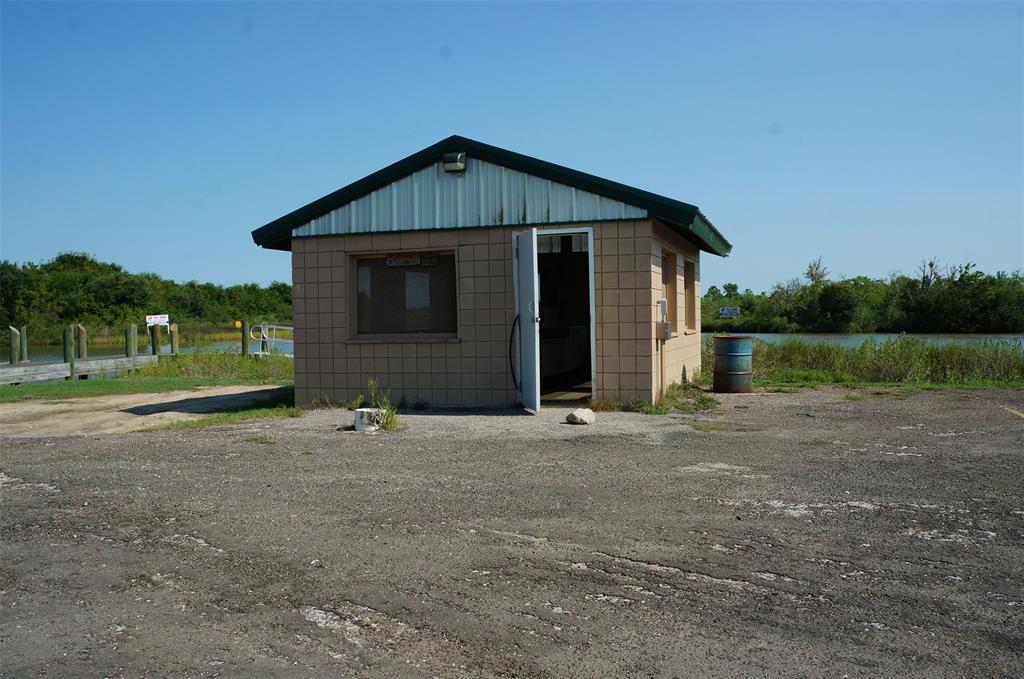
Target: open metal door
column 524, row 248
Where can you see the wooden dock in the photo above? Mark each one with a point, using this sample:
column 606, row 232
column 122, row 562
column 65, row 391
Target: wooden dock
column 76, row 363
column 56, row 370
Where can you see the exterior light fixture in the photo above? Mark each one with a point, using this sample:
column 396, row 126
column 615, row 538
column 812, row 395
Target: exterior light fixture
column 454, row 161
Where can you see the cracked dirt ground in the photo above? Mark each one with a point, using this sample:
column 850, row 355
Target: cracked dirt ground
column 795, row 534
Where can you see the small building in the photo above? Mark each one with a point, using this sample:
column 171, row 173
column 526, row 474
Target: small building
column 469, row 275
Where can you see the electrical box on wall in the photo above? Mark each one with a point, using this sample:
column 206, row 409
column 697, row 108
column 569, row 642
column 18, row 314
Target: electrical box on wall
column 664, row 330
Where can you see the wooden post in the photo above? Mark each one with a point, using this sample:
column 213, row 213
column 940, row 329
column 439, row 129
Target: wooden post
column 173, row 331
column 24, row 344
column 83, row 346
column 264, row 345
column 83, row 342
column 69, row 350
column 154, row 339
column 131, row 340
column 15, row 345
column 245, row 338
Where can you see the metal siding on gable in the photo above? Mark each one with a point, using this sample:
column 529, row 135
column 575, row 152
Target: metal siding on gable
column 485, row 195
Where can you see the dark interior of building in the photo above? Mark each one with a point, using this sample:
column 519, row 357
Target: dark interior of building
column 563, row 266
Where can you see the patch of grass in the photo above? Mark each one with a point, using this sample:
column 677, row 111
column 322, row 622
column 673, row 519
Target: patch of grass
column 637, row 404
column 181, row 373
column 686, row 398
column 104, row 387
column 227, row 366
column 715, row 426
column 855, row 397
column 279, row 404
column 327, row 402
column 897, row 362
column 599, row 405
column 259, row 438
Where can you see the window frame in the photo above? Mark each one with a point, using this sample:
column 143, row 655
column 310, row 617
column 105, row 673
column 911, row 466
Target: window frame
column 670, row 286
column 352, row 303
column 690, row 319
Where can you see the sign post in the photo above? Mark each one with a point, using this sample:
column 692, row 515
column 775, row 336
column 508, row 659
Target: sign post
column 728, row 312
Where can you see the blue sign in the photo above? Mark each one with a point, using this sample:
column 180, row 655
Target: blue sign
column 728, row 311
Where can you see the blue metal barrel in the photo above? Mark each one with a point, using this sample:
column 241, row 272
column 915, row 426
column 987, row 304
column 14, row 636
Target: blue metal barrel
column 734, row 364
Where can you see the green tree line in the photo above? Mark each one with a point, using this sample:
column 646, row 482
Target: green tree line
column 77, row 288
column 938, row 298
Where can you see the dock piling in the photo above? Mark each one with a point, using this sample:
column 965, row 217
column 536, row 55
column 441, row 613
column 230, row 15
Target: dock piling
column 131, row 340
column 154, row 339
column 245, row 338
column 83, row 342
column 15, row 344
column 69, row 350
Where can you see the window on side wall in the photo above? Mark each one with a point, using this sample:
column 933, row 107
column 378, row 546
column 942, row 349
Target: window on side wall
column 668, row 287
column 406, row 293
column 690, row 291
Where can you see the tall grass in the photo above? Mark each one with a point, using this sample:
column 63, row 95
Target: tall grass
column 223, row 365
column 900, row 360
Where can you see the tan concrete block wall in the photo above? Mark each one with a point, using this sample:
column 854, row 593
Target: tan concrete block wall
column 624, row 329
column 473, row 370
column 682, row 352
column 470, row 371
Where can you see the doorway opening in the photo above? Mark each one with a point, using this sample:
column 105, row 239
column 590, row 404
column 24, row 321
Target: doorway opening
column 564, row 278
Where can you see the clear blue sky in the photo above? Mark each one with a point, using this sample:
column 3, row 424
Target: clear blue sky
column 157, row 135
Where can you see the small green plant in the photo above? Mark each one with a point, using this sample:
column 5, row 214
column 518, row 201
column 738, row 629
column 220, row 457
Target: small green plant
column 637, row 404
column 379, row 399
column 355, row 403
column 325, row 401
column 686, row 398
column 259, row 438
column 599, row 405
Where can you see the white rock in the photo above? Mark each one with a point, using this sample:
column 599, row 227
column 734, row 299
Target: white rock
column 367, row 419
column 580, row 416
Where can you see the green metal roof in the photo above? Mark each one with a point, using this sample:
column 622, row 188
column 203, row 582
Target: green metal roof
column 684, row 218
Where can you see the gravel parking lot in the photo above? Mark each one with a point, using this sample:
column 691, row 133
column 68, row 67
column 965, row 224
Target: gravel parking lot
column 791, row 534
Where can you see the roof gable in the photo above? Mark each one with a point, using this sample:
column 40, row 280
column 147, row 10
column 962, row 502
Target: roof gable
column 485, row 195
column 501, row 180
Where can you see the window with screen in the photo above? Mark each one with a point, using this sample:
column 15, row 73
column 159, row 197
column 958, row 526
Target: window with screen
column 406, row 294
column 690, row 288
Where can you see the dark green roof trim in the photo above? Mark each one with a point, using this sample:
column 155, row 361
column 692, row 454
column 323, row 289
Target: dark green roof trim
column 685, row 218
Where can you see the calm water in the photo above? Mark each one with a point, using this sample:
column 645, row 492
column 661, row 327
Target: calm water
column 53, row 353
column 859, row 339
column 50, row 352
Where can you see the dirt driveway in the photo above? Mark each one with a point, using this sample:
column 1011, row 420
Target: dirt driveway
column 123, row 413
column 795, row 534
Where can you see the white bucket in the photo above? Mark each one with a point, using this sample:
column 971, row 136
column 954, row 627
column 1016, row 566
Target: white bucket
column 367, row 419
